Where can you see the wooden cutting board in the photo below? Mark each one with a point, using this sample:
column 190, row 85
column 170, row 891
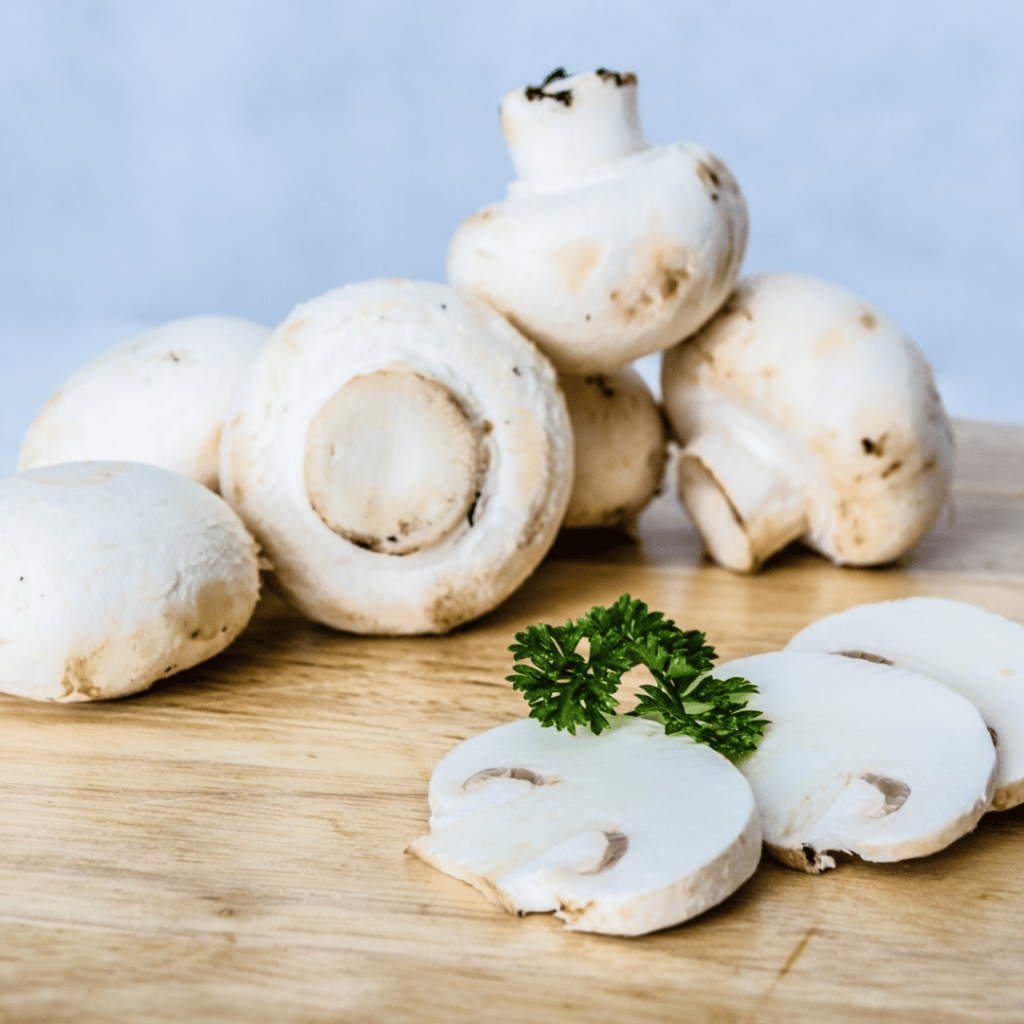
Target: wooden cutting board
column 230, row 846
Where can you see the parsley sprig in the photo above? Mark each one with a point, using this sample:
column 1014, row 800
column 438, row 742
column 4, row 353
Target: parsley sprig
column 566, row 690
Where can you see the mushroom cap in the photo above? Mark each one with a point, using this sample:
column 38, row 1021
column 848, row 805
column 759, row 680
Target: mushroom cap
column 158, row 398
column 973, row 651
column 607, row 249
column 117, row 574
column 621, row 447
column 622, row 833
column 806, row 414
column 402, row 454
column 857, row 759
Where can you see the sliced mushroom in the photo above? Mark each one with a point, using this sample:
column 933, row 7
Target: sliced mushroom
column 857, row 759
column 403, row 455
column 622, row 833
column 621, row 447
column 804, row 414
column 969, row 649
column 606, row 248
column 114, row 575
column 159, row 398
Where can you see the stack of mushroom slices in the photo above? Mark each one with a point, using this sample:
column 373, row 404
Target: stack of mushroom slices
column 634, row 830
column 622, row 833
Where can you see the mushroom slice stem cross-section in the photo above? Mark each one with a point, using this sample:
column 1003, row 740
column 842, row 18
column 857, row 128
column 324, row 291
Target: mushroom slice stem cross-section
column 622, row 833
column 857, row 759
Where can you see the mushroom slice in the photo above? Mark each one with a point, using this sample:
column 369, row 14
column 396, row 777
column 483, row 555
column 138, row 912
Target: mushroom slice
column 158, row 398
column 805, row 414
column 622, row 833
column 606, row 248
column 969, row 649
column 116, row 575
column 403, row 455
column 857, row 759
column 621, row 448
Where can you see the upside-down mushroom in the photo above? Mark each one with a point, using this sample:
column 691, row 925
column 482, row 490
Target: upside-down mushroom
column 115, row 575
column 805, row 414
column 606, row 248
column 159, row 398
column 403, row 455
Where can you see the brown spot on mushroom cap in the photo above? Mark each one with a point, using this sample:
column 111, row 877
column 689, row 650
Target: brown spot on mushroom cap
column 874, row 446
column 709, row 178
column 294, row 329
column 79, row 678
column 869, row 320
column 215, row 608
column 577, row 260
column 655, row 290
column 455, row 605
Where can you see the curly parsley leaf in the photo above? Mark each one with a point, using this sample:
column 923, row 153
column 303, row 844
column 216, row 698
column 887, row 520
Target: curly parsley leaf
column 566, row 690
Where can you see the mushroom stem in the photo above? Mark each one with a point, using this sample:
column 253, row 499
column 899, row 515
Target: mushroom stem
column 570, row 126
column 394, row 461
column 741, row 497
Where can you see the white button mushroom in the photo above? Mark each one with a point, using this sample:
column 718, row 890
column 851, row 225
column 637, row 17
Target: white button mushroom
column 159, row 398
column 621, row 447
column 805, row 414
column 857, row 759
column 969, row 649
column 403, row 455
column 606, row 248
column 622, row 833
column 114, row 575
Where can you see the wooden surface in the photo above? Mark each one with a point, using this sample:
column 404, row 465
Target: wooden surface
column 230, row 846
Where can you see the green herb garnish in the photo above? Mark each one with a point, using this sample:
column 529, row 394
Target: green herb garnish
column 566, row 690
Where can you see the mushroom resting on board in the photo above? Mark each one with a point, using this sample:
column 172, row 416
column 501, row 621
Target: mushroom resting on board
column 805, row 414
column 117, row 574
column 606, row 248
column 621, row 833
column 857, row 759
column 969, row 649
column 159, row 398
column 621, row 447
column 403, row 455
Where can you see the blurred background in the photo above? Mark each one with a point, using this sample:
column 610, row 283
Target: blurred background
column 240, row 156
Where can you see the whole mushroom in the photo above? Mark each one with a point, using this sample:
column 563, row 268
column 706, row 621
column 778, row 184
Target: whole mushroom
column 806, row 414
column 403, row 455
column 621, row 447
column 116, row 575
column 159, row 398
column 606, row 248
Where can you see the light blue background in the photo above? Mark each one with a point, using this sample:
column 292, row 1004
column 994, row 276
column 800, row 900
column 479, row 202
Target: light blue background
column 165, row 159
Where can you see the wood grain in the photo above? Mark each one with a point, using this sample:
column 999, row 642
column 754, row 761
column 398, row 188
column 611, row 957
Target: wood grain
column 230, row 846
